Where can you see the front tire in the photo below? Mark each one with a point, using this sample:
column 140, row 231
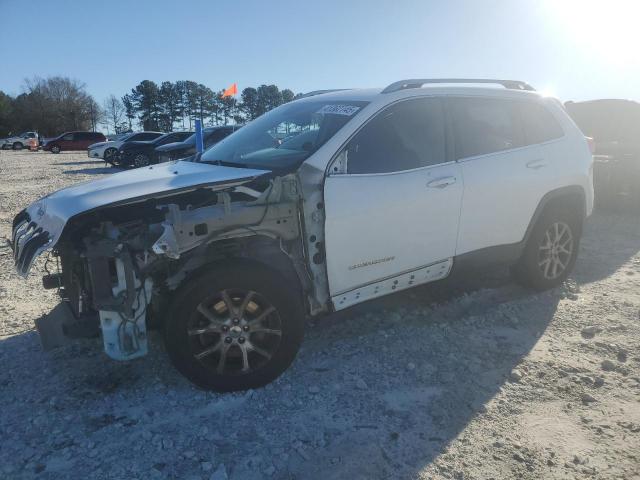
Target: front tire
column 55, row 149
column 235, row 327
column 109, row 155
column 141, row 160
column 551, row 251
column 18, row 146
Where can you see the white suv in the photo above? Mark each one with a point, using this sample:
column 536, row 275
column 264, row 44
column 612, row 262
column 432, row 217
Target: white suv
column 325, row 202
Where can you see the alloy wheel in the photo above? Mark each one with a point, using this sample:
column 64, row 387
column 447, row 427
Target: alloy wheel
column 141, row 160
column 234, row 332
column 556, row 250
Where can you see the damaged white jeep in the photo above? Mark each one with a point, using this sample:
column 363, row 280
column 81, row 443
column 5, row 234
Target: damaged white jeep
column 330, row 200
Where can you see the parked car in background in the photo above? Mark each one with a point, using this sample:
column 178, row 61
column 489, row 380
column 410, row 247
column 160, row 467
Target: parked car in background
column 615, row 127
column 143, row 153
column 18, row 142
column 108, row 150
column 73, row 141
column 210, row 136
column 373, row 192
column 118, row 136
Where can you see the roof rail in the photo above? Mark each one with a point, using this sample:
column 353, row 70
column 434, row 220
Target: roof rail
column 419, row 82
column 320, row 92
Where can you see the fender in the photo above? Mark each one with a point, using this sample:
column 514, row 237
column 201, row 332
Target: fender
column 510, row 253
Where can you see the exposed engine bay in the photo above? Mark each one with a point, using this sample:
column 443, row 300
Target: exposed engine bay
column 119, row 264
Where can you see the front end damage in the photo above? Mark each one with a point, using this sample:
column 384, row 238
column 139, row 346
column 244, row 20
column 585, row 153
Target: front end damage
column 119, row 261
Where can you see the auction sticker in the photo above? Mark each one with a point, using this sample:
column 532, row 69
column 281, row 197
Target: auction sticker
column 339, row 110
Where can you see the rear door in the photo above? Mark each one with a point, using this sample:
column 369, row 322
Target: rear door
column 67, row 142
column 392, row 204
column 507, row 150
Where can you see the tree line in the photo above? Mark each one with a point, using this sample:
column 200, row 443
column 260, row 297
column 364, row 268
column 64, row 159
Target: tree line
column 57, row 104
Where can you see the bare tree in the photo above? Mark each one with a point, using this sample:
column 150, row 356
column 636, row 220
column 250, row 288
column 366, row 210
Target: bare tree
column 113, row 113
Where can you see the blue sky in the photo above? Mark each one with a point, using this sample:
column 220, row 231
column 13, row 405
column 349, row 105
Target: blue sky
column 573, row 49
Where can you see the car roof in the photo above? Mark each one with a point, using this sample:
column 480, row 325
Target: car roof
column 375, row 95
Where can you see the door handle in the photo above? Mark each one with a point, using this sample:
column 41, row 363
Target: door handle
column 537, row 164
column 441, row 182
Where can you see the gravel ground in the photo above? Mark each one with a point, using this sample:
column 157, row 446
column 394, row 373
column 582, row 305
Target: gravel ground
column 473, row 379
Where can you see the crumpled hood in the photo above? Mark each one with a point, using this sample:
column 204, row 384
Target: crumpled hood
column 44, row 220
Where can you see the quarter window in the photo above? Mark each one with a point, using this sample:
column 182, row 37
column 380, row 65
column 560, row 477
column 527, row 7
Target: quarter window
column 483, row 126
column 407, row 135
column 538, row 124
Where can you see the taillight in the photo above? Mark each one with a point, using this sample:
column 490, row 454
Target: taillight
column 592, row 145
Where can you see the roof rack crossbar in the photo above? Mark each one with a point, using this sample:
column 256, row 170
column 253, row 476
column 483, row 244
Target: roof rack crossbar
column 419, row 82
column 320, row 92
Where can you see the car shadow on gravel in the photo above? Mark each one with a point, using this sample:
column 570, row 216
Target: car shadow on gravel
column 614, row 232
column 86, row 162
column 93, row 171
column 378, row 391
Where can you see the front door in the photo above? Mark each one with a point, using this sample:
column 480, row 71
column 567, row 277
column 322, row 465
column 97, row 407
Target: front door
column 392, row 204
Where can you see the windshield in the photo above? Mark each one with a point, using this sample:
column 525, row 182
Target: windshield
column 284, row 137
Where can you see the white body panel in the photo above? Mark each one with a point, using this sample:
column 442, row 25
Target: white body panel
column 97, row 149
column 382, row 225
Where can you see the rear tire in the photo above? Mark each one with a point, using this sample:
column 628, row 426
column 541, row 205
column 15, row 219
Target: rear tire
column 141, row 160
column 551, row 251
column 109, row 154
column 235, row 327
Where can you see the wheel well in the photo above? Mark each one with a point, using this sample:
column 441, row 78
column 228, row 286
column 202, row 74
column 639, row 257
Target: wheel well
column 258, row 251
column 571, row 197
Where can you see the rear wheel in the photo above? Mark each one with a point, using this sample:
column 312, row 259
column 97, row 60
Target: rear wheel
column 55, row 149
column 234, row 328
column 140, row 160
column 551, row 251
column 17, row 146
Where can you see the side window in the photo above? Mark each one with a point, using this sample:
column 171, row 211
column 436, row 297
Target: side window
column 135, row 138
column 82, row 136
column 68, row 138
column 216, row 136
column 483, row 125
column 538, row 124
column 407, row 135
column 147, row 136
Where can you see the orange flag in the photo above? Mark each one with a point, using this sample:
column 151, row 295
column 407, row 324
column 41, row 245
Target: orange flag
column 231, row 91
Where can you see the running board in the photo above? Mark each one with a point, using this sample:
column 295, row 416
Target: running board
column 430, row 273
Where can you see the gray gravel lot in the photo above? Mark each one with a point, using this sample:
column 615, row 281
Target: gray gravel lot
column 476, row 378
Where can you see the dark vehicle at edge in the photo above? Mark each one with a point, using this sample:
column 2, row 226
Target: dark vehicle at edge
column 614, row 124
column 143, row 153
column 211, row 136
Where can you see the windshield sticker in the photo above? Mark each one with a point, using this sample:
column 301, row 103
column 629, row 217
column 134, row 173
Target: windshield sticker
column 347, row 110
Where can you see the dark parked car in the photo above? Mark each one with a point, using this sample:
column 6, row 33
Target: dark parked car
column 140, row 154
column 211, row 136
column 615, row 127
column 73, row 141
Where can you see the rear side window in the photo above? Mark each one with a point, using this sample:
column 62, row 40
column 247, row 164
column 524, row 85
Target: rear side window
column 216, row 136
column 483, row 126
column 538, row 124
column 407, row 135
column 147, row 136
